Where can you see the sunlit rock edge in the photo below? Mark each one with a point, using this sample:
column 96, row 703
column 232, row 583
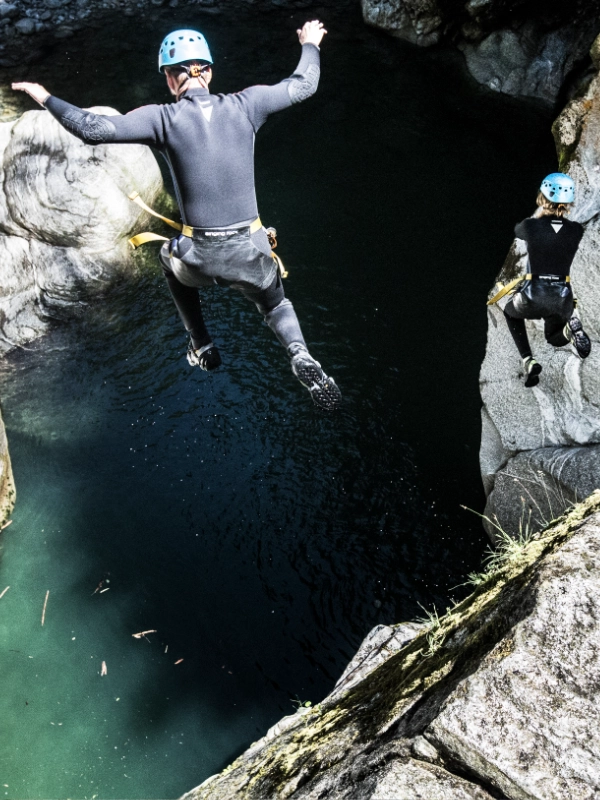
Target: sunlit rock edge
column 65, row 218
column 497, row 698
column 540, row 448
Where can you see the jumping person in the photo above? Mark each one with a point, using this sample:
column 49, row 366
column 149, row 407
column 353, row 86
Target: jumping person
column 208, row 142
column 545, row 292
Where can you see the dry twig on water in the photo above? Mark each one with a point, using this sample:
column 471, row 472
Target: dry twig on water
column 179, row 661
column 142, row 634
column 44, row 608
column 6, row 524
column 4, row 591
column 104, row 670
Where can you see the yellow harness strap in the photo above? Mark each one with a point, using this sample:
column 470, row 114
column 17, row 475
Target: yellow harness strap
column 142, row 238
column 507, row 288
column 504, row 290
column 187, row 230
column 135, row 196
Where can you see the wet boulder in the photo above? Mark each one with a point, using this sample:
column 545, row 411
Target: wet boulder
column 65, row 218
column 520, row 48
column 563, row 411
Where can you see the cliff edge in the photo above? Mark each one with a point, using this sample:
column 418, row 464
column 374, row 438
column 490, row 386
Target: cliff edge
column 540, row 448
column 496, row 699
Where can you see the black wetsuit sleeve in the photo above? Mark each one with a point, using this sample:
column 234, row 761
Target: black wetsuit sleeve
column 142, row 126
column 259, row 102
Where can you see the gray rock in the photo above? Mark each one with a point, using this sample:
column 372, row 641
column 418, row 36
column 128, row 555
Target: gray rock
column 537, row 486
column 56, row 3
column 7, row 486
column 382, row 642
column 564, row 409
column 528, row 61
column 424, row 750
column 64, row 220
column 503, row 690
column 527, row 719
column 529, row 54
column 25, row 26
column 417, row 21
column 8, row 11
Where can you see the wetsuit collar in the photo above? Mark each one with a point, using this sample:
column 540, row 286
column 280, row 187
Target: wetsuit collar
column 195, row 91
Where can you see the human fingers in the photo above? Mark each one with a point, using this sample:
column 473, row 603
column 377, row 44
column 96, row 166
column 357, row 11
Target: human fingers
column 34, row 90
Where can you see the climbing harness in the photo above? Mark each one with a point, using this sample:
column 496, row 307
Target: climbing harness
column 187, row 230
column 510, row 287
column 272, row 237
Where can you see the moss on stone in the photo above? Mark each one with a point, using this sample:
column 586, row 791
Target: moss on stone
column 400, row 689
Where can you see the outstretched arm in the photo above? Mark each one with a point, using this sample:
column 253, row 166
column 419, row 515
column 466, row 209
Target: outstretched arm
column 261, row 101
column 142, row 126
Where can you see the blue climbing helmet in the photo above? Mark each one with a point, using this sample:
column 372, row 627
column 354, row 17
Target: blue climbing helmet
column 183, row 45
column 558, row 188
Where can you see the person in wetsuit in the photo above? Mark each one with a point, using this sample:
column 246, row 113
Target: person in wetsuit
column 208, row 142
column 552, row 242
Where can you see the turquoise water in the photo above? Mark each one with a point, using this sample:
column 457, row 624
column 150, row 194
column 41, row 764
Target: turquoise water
column 259, row 538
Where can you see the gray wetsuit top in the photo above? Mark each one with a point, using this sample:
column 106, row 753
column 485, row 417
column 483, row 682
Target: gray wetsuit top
column 207, row 140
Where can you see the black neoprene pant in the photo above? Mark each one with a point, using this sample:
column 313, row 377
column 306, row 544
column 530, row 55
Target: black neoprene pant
column 551, row 302
column 187, row 300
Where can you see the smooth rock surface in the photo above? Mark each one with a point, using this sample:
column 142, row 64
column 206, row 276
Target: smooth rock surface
column 65, row 218
column 382, row 642
column 564, row 409
column 529, row 62
column 536, row 486
column 497, row 700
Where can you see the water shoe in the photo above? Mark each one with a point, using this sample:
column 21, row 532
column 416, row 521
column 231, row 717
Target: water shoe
column 207, row 357
column 532, row 371
column 574, row 332
column 323, row 390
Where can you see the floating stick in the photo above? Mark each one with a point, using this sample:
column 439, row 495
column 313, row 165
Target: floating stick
column 104, row 590
column 45, row 604
column 142, row 633
column 179, row 661
column 103, row 671
column 6, row 524
column 4, row 591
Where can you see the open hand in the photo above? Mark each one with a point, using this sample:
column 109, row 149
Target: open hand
column 311, row 32
column 34, row 90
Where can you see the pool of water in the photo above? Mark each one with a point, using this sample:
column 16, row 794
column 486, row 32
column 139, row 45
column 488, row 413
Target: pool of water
column 259, row 538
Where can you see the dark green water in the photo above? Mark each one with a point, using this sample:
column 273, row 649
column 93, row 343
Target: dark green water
column 261, row 539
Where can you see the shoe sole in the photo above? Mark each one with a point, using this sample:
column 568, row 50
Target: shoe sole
column 323, row 390
column 581, row 341
column 533, row 376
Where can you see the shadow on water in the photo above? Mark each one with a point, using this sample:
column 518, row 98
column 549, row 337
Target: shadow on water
column 261, row 539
